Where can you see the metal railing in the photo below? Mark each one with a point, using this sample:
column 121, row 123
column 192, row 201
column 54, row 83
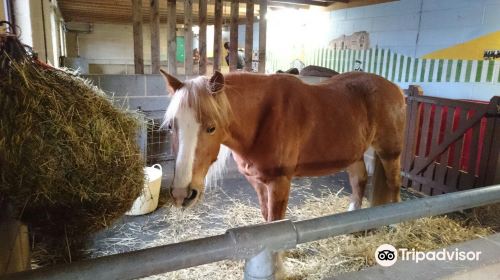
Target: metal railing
column 257, row 243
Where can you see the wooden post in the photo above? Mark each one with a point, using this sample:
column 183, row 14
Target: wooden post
column 249, row 36
column 188, row 37
column 412, row 119
column 14, row 242
column 489, row 168
column 203, row 36
column 171, row 34
column 492, row 175
column 262, row 35
column 233, row 36
column 155, row 36
column 218, row 35
column 137, row 29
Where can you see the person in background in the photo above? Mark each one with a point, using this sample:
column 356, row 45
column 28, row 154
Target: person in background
column 196, row 56
column 241, row 57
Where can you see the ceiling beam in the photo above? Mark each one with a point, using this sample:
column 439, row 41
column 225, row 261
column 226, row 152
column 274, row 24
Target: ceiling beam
column 322, row 3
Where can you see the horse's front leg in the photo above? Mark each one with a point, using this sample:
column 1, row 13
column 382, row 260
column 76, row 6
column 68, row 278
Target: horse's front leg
column 278, row 191
column 261, row 190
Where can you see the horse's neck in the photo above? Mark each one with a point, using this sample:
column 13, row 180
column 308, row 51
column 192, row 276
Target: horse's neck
column 246, row 115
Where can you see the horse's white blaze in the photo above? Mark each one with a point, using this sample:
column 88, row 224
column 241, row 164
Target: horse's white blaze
column 187, row 129
column 183, row 119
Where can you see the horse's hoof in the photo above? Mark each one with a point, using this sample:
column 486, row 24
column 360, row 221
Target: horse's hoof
column 353, row 206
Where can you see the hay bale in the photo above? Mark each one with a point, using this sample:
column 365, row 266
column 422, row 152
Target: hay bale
column 69, row 161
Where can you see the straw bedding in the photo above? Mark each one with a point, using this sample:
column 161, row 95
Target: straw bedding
column 69, row 162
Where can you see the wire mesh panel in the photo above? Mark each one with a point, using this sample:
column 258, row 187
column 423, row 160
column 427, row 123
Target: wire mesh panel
column 157, row 145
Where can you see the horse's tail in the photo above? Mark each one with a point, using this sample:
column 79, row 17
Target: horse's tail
column 379, row 183
column 218, row 168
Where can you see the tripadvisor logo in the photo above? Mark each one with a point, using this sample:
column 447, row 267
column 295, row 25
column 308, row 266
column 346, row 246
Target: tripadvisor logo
column 387, row 255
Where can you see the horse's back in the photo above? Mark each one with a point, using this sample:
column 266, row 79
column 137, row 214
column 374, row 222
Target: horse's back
column 349, row 113
column 386, row 109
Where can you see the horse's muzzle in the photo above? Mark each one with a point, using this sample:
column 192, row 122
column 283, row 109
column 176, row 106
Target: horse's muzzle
column 184, row 197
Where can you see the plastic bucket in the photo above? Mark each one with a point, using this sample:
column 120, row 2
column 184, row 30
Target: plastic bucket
column 148, row 201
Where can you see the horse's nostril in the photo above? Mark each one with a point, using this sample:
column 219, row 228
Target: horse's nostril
column 192, row 194
column 188, row 200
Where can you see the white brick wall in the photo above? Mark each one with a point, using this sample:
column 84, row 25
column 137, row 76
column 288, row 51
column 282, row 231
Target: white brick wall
column 395, row 25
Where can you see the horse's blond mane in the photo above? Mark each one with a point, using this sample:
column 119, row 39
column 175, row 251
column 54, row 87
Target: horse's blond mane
column 209, row 107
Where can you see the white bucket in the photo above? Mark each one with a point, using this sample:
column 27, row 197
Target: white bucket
column 148, row 201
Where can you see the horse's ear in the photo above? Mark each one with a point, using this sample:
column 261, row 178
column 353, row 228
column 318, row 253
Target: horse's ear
column 172, row 83
column 216, row 82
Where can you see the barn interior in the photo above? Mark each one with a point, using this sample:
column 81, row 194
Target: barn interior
column 444, row 55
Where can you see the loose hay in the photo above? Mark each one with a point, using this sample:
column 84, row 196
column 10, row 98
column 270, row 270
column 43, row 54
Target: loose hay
column 488, row 215
column 69, row 162
column 315, row 260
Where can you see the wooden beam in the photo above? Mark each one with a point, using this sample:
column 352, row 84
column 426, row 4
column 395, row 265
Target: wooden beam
column 322, row 3
column 188, row 37
column 203, row 36
column 155, row 36
column 233, row 36
column 117, row 19
column 262, row 35
column 337, row 5
column 171, row 34
column 249, row 36
column 15, row 253
column 218, row 35
column 137, row 30
column 119, row 11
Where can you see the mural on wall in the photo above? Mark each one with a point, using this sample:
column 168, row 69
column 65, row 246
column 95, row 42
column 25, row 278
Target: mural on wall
column 475, row 61
column 483, row 47
column 397, row 67
column 424, row 50
column 357, row 41
column 491, row 54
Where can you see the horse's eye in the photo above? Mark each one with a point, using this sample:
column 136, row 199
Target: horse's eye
column 169, row 128
column 211, row 130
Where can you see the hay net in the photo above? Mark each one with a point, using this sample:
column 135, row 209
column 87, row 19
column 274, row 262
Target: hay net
column 69, row 161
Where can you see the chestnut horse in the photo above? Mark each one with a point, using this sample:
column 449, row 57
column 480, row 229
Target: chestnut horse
column 278, row 127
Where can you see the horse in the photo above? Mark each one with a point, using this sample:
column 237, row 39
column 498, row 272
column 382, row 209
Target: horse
column 278, row 127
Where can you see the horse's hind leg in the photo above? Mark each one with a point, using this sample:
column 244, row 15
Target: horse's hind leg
column 357, row 178
column 393, row 178
column 388, row 190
